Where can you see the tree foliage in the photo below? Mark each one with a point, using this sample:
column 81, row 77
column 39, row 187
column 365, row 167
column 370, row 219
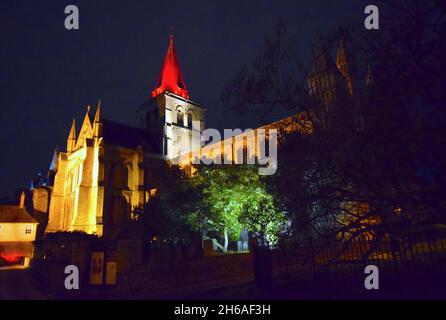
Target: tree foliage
column 165, row 215
column 373, row 162
column 234, row 198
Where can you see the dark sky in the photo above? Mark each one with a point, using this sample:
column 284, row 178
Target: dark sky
column 49, row 74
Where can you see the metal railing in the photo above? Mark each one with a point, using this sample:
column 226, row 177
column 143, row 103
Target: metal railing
column 412, row 262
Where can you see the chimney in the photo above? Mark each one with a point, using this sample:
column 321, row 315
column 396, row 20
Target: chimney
column 22, row 199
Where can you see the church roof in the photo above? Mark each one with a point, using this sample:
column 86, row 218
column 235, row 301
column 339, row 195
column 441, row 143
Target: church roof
column 120, row 134
column 171, row 78
column 15, row 214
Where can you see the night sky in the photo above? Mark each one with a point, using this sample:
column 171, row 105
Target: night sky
column 49, row 74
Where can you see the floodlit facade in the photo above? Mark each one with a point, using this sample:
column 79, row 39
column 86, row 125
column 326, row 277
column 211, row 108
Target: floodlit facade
column 107, row 168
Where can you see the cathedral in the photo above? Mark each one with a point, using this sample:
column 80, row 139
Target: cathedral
column 107, row 167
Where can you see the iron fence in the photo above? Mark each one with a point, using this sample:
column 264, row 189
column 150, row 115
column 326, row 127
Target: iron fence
column 409, row 265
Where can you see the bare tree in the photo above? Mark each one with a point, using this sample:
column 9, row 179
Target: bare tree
column 372, row 164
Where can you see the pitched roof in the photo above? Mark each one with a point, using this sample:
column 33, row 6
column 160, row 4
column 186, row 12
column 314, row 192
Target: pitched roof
column 171, row 78
column 15, row 214
column 119, row 134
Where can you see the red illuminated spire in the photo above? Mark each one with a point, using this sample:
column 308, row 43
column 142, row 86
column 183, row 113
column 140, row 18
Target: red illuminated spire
column 171, row 78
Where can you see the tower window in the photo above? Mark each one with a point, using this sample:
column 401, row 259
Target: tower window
column 189, row 119
column 180, row 118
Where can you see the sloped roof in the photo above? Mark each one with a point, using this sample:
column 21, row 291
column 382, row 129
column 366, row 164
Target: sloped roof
column 15, row 214
column 119, row 134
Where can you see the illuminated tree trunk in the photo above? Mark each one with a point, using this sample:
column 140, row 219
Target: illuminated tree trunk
column 225, row 248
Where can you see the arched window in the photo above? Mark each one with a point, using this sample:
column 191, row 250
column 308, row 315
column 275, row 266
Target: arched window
column 190, row 118
column 180, row 120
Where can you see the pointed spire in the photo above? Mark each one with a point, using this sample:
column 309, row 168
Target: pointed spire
column 72, row 134
column 86, row 131
column 370, row 78
column 343, row 67
column 341, row 58
column 171, row 78
column 97, row 116
column 22, row 200
column 97, row 122
column 71, row 143
column 87, row 119
column 53, row 164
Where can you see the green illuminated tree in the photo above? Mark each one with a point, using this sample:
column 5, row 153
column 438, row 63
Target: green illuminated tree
column 234, row 198
column 262, row 217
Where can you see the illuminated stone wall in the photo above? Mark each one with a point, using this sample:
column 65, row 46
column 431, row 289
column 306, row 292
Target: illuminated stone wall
column 97, row 183
column 75, row 195
column 244, row 147
column 18, row 232
column 177, row 115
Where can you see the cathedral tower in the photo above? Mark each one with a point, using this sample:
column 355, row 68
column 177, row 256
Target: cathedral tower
column 323, row 82
column 76, row 193
column 329, row 78
column 174, row 111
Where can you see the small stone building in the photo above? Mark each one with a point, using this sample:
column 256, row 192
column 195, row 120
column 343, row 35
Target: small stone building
column 17, row 233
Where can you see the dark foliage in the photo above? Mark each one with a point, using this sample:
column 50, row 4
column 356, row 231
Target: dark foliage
column 374, row 160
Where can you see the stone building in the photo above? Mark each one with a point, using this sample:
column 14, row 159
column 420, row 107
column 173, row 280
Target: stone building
column 17, row 232
column 107, row 167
